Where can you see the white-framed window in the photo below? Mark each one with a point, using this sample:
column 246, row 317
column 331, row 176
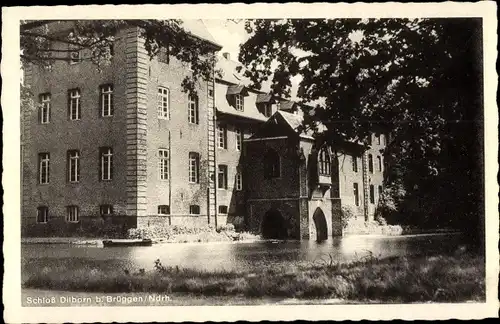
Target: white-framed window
column 43, row 168
column 222, row 136
column 380, row 189
column 73, row 166
column 324, row 163
column 223, row 209
column 379, row 141
column 106, row 210
column 74, row 104
column 72, row 214
column 239, row 181
column 45, row 108
column 238, row 102
column 268, row 109
column 163, row 103
column 193, row 109
column 356, row 193
column 379, row 162
column 222, row 177
column 163, row 210
column 194, row 167
column 106, row 99
column 194, row 209
column 354, row 160
column 42, row 214
column 372, row 194
column 163, row 159
column 239, row 138
column 106, row 165
column 370, row 163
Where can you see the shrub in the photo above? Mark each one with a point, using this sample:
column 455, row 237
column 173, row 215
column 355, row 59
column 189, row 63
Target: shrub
column 347, row 216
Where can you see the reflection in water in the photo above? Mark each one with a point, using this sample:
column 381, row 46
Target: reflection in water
column 247, row 256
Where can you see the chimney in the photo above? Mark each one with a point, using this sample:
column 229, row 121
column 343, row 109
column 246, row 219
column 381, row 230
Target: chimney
column 226, row 55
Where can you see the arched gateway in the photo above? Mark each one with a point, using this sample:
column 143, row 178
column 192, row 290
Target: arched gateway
column 273, row 225
column 320, row 225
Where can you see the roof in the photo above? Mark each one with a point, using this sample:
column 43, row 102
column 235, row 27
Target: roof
column 264, row 97
column 235, row 89
column 249, row 111
column 294, row 121
column 287, row 105
column 197, row 28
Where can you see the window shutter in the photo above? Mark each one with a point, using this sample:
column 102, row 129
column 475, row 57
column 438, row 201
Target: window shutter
column 80, row 104
column 68, row 94
column 40, row 113
column 111, row 101
column 99, row 155
column 99, row 108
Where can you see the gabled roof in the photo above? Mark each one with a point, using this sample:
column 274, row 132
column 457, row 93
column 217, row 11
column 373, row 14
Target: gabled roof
column 264, row 98
column 289, row 121
column 287, row 105
column 197, row 28
column 236, row 89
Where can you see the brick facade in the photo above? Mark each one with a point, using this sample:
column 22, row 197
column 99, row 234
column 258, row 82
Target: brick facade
column 136, row 134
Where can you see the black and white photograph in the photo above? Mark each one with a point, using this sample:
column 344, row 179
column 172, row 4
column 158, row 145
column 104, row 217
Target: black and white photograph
column 232, row 156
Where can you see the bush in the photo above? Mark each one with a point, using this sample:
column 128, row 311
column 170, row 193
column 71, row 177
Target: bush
column 347, row 216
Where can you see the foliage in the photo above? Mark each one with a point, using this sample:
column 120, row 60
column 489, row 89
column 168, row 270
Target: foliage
column 403, row 279
column 419, row 80
column 347, row 216
column 41, row 43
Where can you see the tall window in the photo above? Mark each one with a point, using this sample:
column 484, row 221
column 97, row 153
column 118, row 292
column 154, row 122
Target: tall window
column 193, row 110
column 163, row 103
column 379, row 162
column 378, row 139
column 45, row 108
column 72, row 214
column 271, row 164
column 106, row 210
column 356, row 194
column 163, row 210
column 239, row 138
column 43, row 168
column 42, row 214
column 73, row 166
column 194, row 209
column 238, row 102
column 106, row 165
column 354, row 159
column 74, row 104
column 163, row 164
column 194, row 167
column 380, row 189
column 239, row 181
column 372, row 194
column 324, row 162
column 222, row 136
column 370, row 163
column 106, row 100
column 268, row 110
column 222, row 177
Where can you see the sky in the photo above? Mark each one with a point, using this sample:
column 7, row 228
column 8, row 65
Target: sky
column 229, row 34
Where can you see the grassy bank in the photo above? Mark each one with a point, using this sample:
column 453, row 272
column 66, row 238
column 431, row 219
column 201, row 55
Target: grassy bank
column 411, row 279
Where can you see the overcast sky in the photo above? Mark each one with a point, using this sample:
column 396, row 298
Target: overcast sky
column 229, row 34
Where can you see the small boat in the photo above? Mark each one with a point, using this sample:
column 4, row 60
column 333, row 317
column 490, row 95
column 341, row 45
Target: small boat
column 113, row 243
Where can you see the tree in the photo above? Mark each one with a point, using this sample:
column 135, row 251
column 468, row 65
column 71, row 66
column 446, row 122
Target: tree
column 419, row 80
column 38, row 43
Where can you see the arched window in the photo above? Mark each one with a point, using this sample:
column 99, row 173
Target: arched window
column 271, row 164
column 324, row 162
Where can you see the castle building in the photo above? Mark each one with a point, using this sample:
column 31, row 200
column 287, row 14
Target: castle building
column 127, row 146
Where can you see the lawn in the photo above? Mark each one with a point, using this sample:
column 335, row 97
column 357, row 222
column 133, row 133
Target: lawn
column 435, row 278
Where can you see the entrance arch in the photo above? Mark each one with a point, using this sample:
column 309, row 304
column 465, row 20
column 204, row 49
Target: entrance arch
column 273, row 225
column 320, row 224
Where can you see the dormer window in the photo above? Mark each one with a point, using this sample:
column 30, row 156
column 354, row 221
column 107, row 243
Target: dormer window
column 265, row 104
column 236, row 96
column 238, row 102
